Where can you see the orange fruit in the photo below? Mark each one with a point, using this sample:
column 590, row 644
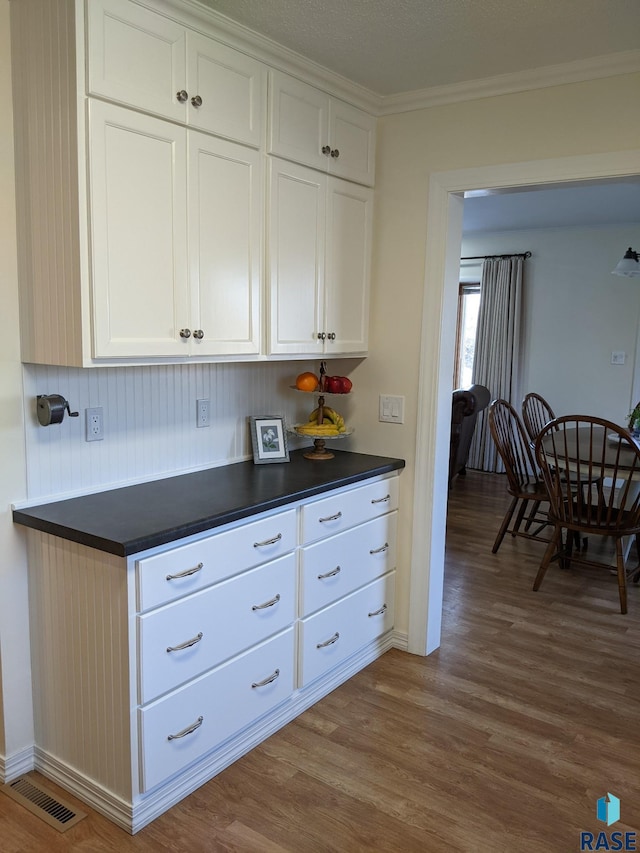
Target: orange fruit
column 307, row 382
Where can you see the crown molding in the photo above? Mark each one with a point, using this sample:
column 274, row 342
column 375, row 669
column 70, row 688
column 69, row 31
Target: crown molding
column 626, row 62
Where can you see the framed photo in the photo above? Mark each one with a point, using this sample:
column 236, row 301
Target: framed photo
column 269, row 439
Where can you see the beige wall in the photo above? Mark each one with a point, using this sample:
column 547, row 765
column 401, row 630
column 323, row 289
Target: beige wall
column 16, row 730
column 578, row 119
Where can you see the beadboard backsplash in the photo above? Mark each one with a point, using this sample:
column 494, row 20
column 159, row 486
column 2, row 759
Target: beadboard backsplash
column 150, row 421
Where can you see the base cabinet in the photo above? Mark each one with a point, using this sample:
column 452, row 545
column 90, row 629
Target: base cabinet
column 153, row 673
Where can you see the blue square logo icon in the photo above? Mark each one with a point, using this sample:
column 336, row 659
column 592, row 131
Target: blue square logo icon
column 608, row 810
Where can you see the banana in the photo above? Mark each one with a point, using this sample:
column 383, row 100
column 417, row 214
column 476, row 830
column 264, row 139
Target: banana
column 329, row 415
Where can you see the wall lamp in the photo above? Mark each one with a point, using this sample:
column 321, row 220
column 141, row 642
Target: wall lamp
column 629, row 265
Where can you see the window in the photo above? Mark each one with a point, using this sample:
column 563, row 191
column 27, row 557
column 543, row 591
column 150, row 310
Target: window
column 468, row 306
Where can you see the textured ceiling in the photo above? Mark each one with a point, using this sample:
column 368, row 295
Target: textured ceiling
column 395, row 46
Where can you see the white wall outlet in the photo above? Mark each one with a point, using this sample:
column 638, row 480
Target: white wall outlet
column 202, row 413
column 94, row 424
column 618, row 357
column 391, row 409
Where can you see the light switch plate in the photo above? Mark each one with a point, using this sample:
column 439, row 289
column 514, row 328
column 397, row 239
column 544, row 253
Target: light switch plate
column 618, row 357
column 391, row 409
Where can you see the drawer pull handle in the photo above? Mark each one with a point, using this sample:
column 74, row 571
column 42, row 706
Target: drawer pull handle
column 378, row 612
column 269, row 603
column 186, row 572
column 331, row 517
column 384, row 547
column 188, row 730
column 329, row 642
column 332, row 574
column 268, row 541
column 381, row 500
column 187, row 644
column 268, row 680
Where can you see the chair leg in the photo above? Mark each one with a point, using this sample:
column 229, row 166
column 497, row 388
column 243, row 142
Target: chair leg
column 622, row 575
column 519, row 517
column 636, row 575
column 551, row 549
column 532, row 514
column 504, row 525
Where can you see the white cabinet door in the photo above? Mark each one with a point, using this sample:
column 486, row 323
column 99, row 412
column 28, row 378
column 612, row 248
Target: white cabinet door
column 136, row 57
column 231, row 88
column 138, row 233
column 225, row 245
column 298, row 121
column 312, row 128
column 296, row 258
column 352, row 135
column 348, row 266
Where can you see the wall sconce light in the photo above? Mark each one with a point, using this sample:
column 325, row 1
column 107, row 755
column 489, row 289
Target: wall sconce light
column 629, row 265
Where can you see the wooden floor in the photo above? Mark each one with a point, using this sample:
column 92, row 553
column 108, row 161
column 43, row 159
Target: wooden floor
column 502, row 740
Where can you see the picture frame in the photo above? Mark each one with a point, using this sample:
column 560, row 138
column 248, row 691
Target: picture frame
column 268, row 439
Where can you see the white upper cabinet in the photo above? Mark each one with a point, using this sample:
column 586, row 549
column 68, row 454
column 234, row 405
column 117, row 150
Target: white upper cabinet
column 317, row 130
column 320, row 233
column 148, row 62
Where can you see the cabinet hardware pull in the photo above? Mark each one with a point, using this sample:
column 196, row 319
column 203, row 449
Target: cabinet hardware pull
column 379, row 550
column 196, row 101
column 331, row 517
column 268, row 541
column 332, row 574
column 378, row 612
column 335, row 153
column 269, row 603
column 329, row 642
column 186, row 573
column 187, row 644
column 326, row 150
column 321, row 336
column 268, row 680
column 198, row 334
column 182, row 96
column 185, row 333
column 381, row 500
column 188, row 730
column 332, row 336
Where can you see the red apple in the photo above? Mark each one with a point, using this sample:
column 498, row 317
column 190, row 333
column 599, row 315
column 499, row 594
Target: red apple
column 333, row 384
column 347, row 384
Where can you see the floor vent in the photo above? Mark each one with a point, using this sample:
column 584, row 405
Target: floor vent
column 43, row 803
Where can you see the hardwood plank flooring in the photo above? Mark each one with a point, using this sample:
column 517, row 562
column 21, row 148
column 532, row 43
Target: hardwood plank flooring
column 502, row 740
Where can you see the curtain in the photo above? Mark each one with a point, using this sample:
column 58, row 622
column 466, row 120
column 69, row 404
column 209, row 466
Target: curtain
column 497, row 352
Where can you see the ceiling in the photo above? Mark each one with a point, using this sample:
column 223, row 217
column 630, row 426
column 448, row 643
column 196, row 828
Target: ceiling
column 397, row 46
column 391, row 47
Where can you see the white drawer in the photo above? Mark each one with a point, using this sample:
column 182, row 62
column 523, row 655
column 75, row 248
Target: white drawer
column 188, row 568
column 187, row 724
column 346, row 509
column 334, row 634
column 337, row 566
column 219, row 622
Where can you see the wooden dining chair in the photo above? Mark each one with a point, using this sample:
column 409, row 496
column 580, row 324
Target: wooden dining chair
column 575, row 450
column 523, row 483
column 536, row 412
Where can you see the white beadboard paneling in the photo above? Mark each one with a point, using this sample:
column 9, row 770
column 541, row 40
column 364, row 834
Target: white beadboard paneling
column 150, row 420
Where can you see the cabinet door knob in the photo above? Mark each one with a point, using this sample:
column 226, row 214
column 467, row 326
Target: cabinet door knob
column 196, row 101
column 321, row 336
column 185, row 333
column 182, row 96
column 335, row 153
column 199, row 334
column 332, row 336
column 326, row 150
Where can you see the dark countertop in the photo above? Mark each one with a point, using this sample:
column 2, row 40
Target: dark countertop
column 131, row 519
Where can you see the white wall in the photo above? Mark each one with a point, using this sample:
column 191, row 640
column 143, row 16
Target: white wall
column 575, row 313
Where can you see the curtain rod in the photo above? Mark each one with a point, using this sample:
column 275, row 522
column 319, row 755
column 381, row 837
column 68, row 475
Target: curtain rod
column 486, row 257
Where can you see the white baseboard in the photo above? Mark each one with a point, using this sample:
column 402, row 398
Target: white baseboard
column 400, row 640
column 15, row 765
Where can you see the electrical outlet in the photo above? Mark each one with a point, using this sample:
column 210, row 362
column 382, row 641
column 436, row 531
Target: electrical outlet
column 202, row 413
column 94, row 424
